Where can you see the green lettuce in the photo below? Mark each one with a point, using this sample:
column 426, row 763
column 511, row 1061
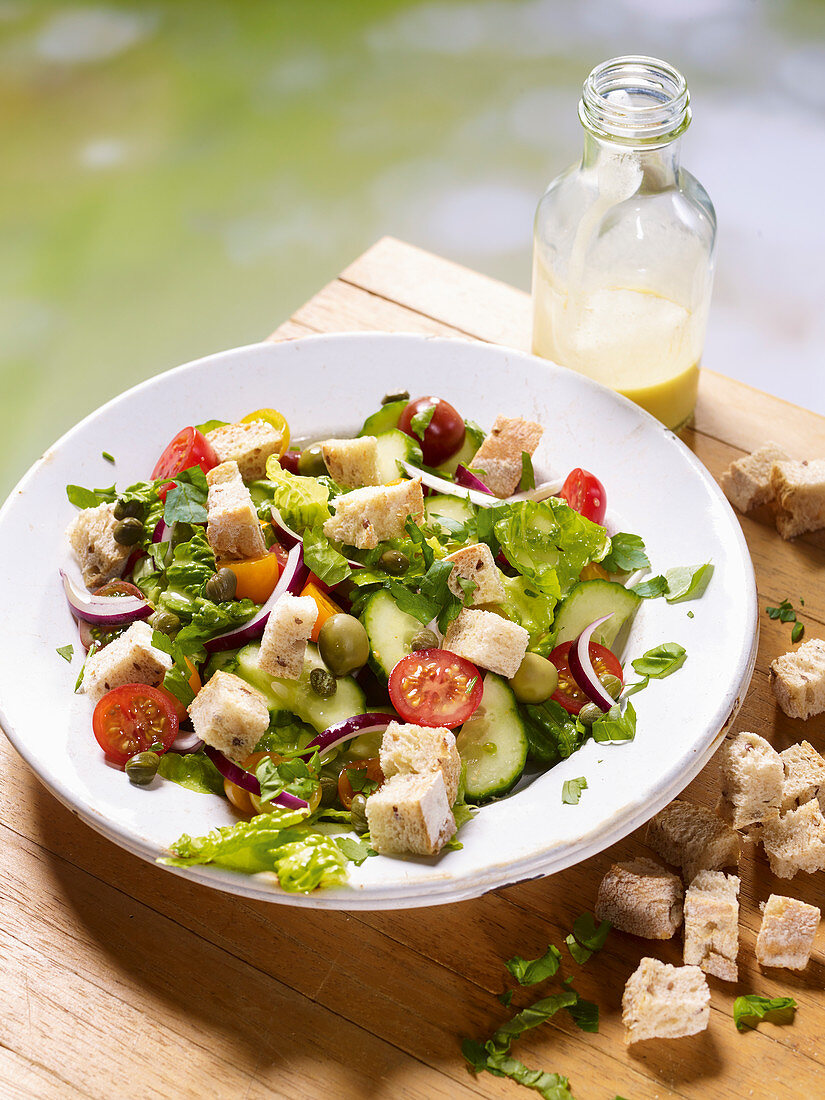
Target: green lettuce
column 552, row 733
column 323, row 559
column 194, row 771
column 532, row 609
column 302, row 501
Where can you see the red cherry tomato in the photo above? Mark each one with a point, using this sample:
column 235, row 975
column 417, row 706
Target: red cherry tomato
column 281, row 554
column 568, row 693
column 434, row 687
column 346, row 792
column 132, row 718
column 289, row 461
column 189, row 448
column 585, row 493
column 444, row 434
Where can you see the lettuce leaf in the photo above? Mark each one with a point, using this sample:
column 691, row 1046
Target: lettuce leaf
column 322, row 558
column 532, row 609
column 302, row 501
column 194, row 771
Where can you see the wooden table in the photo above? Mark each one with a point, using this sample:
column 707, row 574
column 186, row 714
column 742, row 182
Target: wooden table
column 121, row 980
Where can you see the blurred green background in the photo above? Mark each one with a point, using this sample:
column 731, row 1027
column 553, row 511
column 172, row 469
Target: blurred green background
column 176, row 177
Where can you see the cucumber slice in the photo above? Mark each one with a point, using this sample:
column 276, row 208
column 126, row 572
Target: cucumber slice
column 493, row 743
column 296, row 695
column 589, row 600
column 390, row 631
column 473, row 438
column 452, row 507
column 385, row 419
column 394, row 446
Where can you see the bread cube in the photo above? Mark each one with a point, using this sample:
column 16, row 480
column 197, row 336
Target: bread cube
column 747, row 481
column 419, row 750
column 487, row 640
column 249, row 445
column 796, row 841
column 692, row 837
column 786, row 935
column 410, row 815
column 499, row 456
column 232, row 529
column 229, row 715
column 661, row 1001
column 285, row 637
column 798, row 680
column 752, row 780
column 642, row 898
column 129, row 659
column 804, row 775
column 365, row 517
column 475, row 563
column 712, row 924
column 352, row 463
column 799, row 492
column 91, row 535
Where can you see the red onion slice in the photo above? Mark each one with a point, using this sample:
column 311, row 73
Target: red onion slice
column 249, row 782
column 186, row 741
column 449, row 488
column 470, row 481
column 286, row 536
column 581, row 667
column 104, row 610
column 161, row 532
column 349, row 728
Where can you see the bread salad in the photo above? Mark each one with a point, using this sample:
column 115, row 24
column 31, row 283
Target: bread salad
column 359, row 642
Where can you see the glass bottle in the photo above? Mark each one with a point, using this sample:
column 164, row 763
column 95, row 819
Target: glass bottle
column 624, row 244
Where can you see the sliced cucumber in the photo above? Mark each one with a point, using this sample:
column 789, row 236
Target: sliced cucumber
column 473, row 438
column 393, row 447
column 589, row 600
column 493, row 743
column 455, row 508
column 390, row 631
column 385, row 419
column 296, row 695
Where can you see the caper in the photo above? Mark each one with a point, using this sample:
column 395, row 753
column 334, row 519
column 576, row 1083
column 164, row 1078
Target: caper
column 394, row 562
column 402, row 395
column 128, row 509
column 589, row 714
column 424, row 639
column 128, row 531
column 612, row 685
column 311, row 461
column 343, row 644
column 166, row 622
column 536, row 679
column 221, row 587
column 322, row 682
column 142, row 768
column 358, row 813
column 329, row 790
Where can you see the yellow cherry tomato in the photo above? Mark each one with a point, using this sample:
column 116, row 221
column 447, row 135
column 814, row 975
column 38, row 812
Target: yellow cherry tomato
column 256, row 577
column 327, row 607
column 278, row 422
column 252, row 803
column 593, row 572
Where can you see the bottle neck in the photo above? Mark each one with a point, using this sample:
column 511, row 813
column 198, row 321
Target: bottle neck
column 658, row 166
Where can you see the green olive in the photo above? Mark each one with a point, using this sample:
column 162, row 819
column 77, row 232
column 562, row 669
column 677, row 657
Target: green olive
column 166, row 622
column 221, row 587
column 343, row 644
column 323, row 683
column 394, row 562
column 536, row 679
column 142, row 768
column 424, row 639
column 128, row 531
column 311, row 461
column 128, row 509
column 329, row 790
column 358, row 813
column 612, row 685
column 402, row 395
column 590, row 713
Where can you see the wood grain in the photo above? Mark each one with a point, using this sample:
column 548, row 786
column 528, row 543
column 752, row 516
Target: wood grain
column 121, row 980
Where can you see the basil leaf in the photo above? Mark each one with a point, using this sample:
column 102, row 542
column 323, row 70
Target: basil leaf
column 531, row 971
column 505, row 997
column 186, row 500
column 797, row 632
column 687, row 582
column 413, row 603
column 66, row 652
column 356, row 851
column 661, row 661
column 530, row 1017
column 651, row 588
column 750, row 1009
column 421, row 421
column 89, row 498
column 585, row 1015
column 551, row 1086
column 615, row 726
column 108, row 457
column 587, row 937
column 210, row 426
column 528, row 477
column 193, row 770
column 627, row 553
column 571, row 790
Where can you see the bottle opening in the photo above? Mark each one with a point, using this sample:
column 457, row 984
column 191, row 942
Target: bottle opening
column 635, row 101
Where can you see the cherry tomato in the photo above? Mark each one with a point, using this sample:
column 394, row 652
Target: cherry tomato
column 189, row 448
column 346, row 792
column 444, row 434
column 289, row 461
column 434, row 687
column 119, row 588
column 593, row 571
column 274, row 419
column 256, row 577
column 585, row 493
column 249, row 803
column 195, row 684
column 133, row 718
column 281, row 554
column 568, row 693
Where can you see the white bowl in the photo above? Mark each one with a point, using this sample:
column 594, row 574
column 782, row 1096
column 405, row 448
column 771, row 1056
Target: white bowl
column 325, row 385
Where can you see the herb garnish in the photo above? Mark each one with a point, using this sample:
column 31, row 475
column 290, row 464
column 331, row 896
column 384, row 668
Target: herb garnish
column 66, row 652
column 572, row 789
column 786, row 613
column 749, row 1010
column 421, row 421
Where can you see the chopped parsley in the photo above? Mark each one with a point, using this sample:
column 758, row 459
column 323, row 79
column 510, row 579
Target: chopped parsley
column 786, row 613
column 571, row 790
column 421, row 421
column 107, row 456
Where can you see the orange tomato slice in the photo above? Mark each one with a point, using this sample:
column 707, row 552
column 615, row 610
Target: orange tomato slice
column 593, row 572
column 256, row 577
column 327, row 607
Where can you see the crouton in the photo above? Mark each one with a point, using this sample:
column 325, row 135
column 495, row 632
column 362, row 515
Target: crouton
column 804, row 775
column 232, row 530
column 661, row 1001
column 91, row 535
column 642, row 898
column 796, row 841
column 352, row 463
column 475, row 563
column 747, row 481
column 410, row 814
column 229, row 715
column 693, row 837
column 799, row 493
column 499, row 456
column 752, row 780
column 247, row 444
column 487, row 640
column 787, row 933
column 408, row 749
column 365, row 517
column 712, row 924
column 129, row 659
column 798, row 680
column 285, row 637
